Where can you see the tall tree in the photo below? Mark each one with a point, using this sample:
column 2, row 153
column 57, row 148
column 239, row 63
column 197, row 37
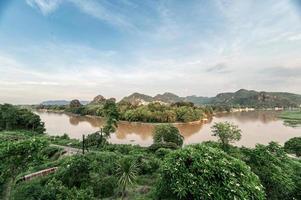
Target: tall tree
column 111, row 115
column 226, row 132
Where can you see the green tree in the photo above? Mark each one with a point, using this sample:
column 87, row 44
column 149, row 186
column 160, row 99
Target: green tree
column 226, row 132
column 166, row 133
column 111, row 115
column 75, row 171
column 202, row 172
column 127, row 172
column 293, row 145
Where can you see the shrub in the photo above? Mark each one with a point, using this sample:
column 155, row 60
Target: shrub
column 164, row 133
column 50, row 151
column 275, row 170
column 104, row 186
column 293, row 145
column 147, row 164
column 167, row 145
column 162, row 152
column 75, row 171
column 206, row 173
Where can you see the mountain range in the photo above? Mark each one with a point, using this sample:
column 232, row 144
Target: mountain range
column 242, row 97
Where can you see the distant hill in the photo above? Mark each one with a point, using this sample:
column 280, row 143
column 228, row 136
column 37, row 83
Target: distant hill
column 137, row 98
column 253, row 98
column 60, row 102
column 242, row 97
column 168, row 97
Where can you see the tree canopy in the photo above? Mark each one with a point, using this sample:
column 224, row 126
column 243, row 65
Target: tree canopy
column 201, row 172
column 226, row 132
column 167, row 133
column 13, row 118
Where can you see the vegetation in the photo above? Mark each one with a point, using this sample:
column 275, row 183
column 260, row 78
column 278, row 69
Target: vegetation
column 156, row 112
column 293, row 146
column 14, row 118
column 226, row 133
column 127, row 172
column 279, row 174
column 167, row 133
column 291, row 118
column 202, row 171
column 111, row 115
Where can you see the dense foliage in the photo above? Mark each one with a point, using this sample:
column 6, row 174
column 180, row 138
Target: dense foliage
column 156, row 112
column 293, row 145
column 161, row 171
column 153, row 112
column 12, row 118
column 167, row 133
column 201, row 172
column 226, row 132
column 279, row 174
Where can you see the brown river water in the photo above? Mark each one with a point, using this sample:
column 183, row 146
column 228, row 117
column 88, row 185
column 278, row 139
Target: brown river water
column 257, row 127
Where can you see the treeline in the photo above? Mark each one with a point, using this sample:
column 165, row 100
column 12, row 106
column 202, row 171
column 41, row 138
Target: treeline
column 14, row 118
column 152, row 112
column 158, row 113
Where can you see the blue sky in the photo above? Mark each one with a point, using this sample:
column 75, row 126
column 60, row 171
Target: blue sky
column 65, row 49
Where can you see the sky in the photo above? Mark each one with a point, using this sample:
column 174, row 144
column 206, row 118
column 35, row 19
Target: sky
column 67, row 49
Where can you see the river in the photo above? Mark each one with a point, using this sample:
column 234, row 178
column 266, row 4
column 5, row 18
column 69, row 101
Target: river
column 257, row 127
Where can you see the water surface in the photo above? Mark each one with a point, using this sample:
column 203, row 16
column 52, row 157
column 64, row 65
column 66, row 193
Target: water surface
column 257, row 127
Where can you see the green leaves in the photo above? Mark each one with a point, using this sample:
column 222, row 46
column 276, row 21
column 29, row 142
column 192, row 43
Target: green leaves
column 127, row 172
column 201, row 172
column 293, row 145
column 111, row 115
column 226, row 132
column 12, row 118
column 168, row 133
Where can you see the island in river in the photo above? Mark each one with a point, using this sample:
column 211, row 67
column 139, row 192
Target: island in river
column 257, row 127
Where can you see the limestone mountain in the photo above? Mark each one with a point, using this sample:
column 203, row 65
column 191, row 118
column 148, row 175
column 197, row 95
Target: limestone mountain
column 99, row 99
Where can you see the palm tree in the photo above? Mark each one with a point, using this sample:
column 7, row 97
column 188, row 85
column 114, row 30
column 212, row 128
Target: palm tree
column 127, row 172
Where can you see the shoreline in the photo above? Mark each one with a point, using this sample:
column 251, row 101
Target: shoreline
column 204, row 120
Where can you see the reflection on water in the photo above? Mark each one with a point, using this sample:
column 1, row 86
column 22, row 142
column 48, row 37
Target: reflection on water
column 257, row 127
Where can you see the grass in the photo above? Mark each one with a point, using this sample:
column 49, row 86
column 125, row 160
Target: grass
column 291, row 118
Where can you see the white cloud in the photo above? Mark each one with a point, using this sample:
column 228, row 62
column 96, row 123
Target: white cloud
column 45, row 6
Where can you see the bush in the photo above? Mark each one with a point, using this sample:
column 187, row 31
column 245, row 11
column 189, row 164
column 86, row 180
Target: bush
column 293, row 145
column 32, row 190
column 104, row 186
column 167, row 145
column 162, row 152
column 206, row 173
column 75, row 171
column 147, row 164
column 275, row 170
column 164, row 133
column 50, row 151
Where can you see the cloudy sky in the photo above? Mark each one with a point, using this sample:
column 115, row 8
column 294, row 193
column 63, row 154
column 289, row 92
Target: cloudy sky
column 65, row 49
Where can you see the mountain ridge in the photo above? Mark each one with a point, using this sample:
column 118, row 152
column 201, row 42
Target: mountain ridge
column 241, row 97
